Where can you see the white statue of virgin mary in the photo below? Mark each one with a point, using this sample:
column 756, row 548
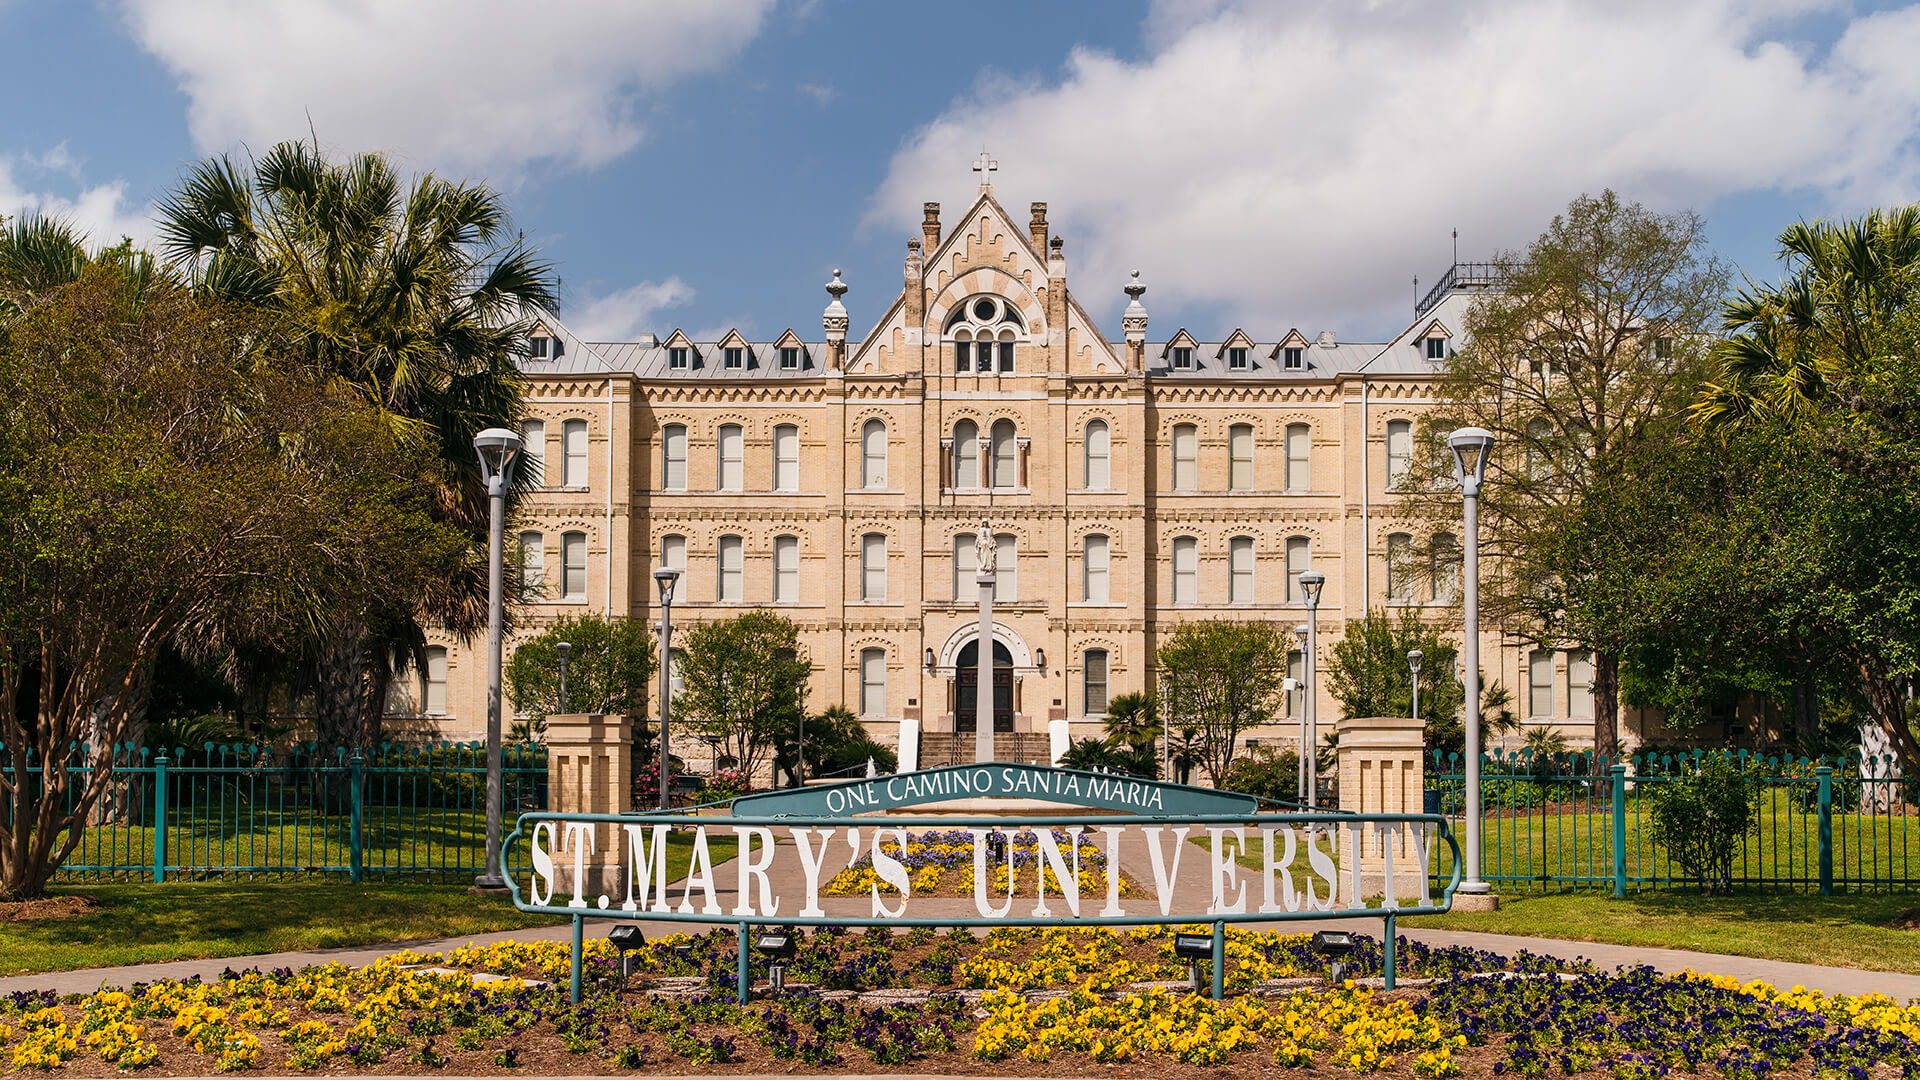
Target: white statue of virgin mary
column 985, row 552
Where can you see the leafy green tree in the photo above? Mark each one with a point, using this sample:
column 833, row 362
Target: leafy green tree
column 145, row 492
column 745, row 683
column 835, row 743
column 1368, row 676
column 419, row 297
column 1224, row 677
column 1593, row 341
column 609, row 670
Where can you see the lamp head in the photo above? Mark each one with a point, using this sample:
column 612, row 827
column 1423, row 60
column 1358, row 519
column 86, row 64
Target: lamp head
column 779, row 944
column 1040, row 659
column 565, row 649
column 1471, row 447
column 930, row 660
column 665, row 577
column 1414, row 656
column 496, row 448
column 1311, row 582
column 1193, row 946
column 1289, row 684
column 625, row 937
column 1334, row 943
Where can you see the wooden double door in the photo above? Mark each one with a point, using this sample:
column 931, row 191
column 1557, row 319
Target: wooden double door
column 966, row 713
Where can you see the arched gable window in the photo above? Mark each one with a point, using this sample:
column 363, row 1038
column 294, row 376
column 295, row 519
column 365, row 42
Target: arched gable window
column 984, row 331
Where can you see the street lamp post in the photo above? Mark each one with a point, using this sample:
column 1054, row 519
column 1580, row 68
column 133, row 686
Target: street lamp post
column 665, row 577
column 497, row 449
column 1414, row 656
column 1311, row 583
column 565, row 650
column 1471, row 448
column 1300, row 633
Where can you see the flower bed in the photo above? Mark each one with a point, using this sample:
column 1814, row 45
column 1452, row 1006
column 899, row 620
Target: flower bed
column 1020, row 1001
column 940, row 863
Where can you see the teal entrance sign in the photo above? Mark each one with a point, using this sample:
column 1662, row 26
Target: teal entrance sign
column 999, row 780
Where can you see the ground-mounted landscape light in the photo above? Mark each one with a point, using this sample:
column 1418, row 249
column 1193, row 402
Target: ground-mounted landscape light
column 683, row 952
column 778, row 946
column 1335, row 946
column 1193, row 948
column 625, row 939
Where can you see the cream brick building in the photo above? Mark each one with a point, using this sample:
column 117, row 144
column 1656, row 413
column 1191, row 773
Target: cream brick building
column 1136, row 483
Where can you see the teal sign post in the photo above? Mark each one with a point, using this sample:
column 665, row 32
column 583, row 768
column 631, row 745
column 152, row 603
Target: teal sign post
column 1298, row 877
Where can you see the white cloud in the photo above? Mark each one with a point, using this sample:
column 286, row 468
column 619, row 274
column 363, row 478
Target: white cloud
column 623, row 315
column 476, row 84
column 52, row 184
column 1295, row 163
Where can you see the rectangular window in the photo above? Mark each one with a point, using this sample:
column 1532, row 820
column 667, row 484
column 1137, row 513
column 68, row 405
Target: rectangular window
column 786, row 569
column 1240, row 457
column 533, row 452
column 1399, row 452
column 1240, row 570
column 790, row 359
column 573, row 469
column 1400, row 567
column 1236, row 359
column 1099, row 456
column 1663, row 348
column 677, row 357
column 1183, row 359
column 1094, row 571
column 673, row 457
column 1186, row 569
column 736, row 358
column 1299, row 561
column 733, row 467
column 964, row 565
column 873, row 454
column 673, row 553
column 1006, row 357
column 573, row 566
column 732, row 563
column 873, row 567
column 537, row 348
column 873, row 682
column 962, row 357
column 1540, row 683
column 533, row 567
column 1186, row 457
column 1580, row 685
column 1299, row 457
column 1293, row 359
column 1006, row 579
column 966, row 455
column 436, row 681
column 1095, row 692
column 786, row 458
column 1436, row 348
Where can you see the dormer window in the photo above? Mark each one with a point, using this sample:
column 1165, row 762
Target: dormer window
column 537, row 348
column 736, row 358
column 1293, row 359
column 677, row 357
column 1663, row 348
column 1436, row 348
column 1236, row 359
column 789, row 359
column 1183, row 359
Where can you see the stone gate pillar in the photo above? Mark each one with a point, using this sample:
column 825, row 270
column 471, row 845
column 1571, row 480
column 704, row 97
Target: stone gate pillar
column 1380, row 770
column 589, row 771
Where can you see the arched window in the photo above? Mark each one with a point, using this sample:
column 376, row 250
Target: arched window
column 786, row 458
column 1399, row 566
column 1299, row 457
column 533, row 452
column 1099, row 456
column 1240, row 570
column 573, row 566
column 1445, row 569
column 1299, row 561
column 1399, row 453
column 533, row 566
column 435, row 678
column 673, row 457
column 786, row 569
column 673, row 554
column 1005, row 447
column 966, row 454
column 873, row 454
column 733, row 467
column 873, row 682
column 573, row 438
column 964, row 565
column 1094, row 681
column 1186, row 457
column 1094, row 566
column 1186, row 570
column 732, row 564
column 984, row 331
column 1240, row 457
column 873, row 567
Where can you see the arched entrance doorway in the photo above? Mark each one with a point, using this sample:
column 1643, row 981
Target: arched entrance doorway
column 967, row 685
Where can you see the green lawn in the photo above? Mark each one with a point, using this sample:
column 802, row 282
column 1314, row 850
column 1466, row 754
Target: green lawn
column 148, row 923
column 1840, row 931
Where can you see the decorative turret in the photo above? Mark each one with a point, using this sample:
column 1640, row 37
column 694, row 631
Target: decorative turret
column 1133, row 323
column 835, row 322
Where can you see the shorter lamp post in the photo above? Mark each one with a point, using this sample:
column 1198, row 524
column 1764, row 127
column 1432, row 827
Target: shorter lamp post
column 1289, row 686
column 1306, row 738
column 565, row 650
column 1471, row 448
column 1414, row 656
column 665, row 577
column 497, row 449
column 1311, row 583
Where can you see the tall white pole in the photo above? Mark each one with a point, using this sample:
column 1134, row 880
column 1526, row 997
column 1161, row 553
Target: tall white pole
column 489, row 876
column 666, row 678
column 1470, row 660
column 983, row 692
column 1311, row 670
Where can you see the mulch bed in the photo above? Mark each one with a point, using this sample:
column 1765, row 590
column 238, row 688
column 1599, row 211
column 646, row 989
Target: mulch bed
column 47, row 908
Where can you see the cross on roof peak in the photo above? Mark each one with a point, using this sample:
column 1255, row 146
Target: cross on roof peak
column 986, row 166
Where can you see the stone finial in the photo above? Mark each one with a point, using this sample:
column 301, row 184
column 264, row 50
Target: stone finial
column 1056, row 258
column 1037, row 228
column 834, row 320
column 1133, row 322
column 930, row 224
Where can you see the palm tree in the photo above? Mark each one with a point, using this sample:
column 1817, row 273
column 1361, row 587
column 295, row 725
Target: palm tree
column 419, row 297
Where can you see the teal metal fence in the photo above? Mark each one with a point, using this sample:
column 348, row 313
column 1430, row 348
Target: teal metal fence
column 396, row 813
column 1581, row 822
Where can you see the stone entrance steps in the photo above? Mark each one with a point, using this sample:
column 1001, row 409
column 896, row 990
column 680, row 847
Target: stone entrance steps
column 938, row 748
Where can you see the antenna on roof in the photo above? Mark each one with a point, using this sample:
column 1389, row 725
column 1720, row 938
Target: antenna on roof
column 1416, row 294
column 1456, row 246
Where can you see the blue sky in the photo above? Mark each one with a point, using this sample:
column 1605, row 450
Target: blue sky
column 1269, row 165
